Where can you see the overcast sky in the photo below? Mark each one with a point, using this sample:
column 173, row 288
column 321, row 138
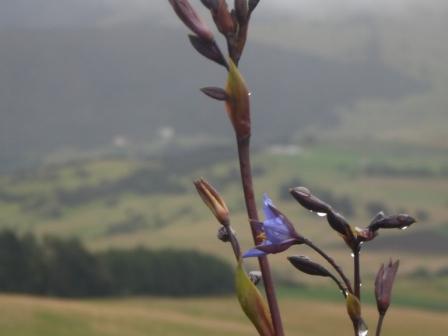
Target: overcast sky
column 33, row 13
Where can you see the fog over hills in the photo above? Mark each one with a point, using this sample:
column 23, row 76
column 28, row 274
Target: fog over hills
column 79, row 73
column 51, row 13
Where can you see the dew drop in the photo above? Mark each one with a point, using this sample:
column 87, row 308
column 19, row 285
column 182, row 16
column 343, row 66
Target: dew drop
column 404, row 227
column 249, row 94
column 321, row 214
column 362, row 328
column 352, row 255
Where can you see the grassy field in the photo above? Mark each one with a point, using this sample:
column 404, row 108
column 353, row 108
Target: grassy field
column 29, row 316
column 119, row 216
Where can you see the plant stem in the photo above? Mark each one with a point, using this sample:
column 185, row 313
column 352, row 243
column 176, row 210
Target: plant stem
column 357, row 271
column 246, row 179
column 234, row 242
column 379, row 325
column 339, row 284
column 331, row 262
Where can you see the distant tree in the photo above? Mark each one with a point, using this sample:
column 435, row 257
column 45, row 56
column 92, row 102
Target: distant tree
column 72, row 270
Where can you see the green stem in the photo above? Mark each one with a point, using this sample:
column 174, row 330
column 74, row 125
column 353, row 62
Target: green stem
column 246, row 179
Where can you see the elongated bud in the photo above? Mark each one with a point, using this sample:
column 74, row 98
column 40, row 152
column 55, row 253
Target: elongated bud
column 221, row 15
column 338, row 223
column 252, row 5
column 309, row 201
column 215, row 93
column 211, row 4
column 238, row 107
column 208, row 49
column 241, row 11
column 306, row 265
column 191, row 19
column 213, row 200
column 253, row 303
column 353, row 307
column 401, row 221
column 383, row 285
column 354, row 311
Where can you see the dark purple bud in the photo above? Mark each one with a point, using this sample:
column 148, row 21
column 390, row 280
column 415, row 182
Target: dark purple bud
column 309, row 201
column 241, row 11
column 208, row 49
column 211, row 4
column 383, row 285
column 223, row 234
column 191, row 19
column 221, row 15
column 215, row 93
column 305, row 265
column 255, row 277
column 401, row 221
column 338, row 223
column 252, row 5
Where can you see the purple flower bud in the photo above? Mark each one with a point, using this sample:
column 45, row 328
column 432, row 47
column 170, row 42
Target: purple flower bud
column 223, row 234
column 401, row 221
column 383, row 285
column 221, row 15
column 340, row 225
column 215, row 93
column 191, row 19
column 241, row 11
column 211, row 4
column 305, row 265
column 252, row 5
column 208, row 49
column 309, row 201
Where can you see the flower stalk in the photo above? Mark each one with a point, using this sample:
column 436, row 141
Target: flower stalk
column 252, row 213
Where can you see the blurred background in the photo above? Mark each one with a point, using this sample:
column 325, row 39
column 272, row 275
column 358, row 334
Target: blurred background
column 103, row 129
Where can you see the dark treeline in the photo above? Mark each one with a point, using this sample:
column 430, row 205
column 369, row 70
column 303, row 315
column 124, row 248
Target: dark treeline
column 64, row 267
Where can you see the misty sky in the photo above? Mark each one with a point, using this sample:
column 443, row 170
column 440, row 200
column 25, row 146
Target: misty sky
column 48, row 13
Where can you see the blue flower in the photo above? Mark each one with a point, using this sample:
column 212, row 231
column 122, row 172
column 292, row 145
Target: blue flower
column 279, row 233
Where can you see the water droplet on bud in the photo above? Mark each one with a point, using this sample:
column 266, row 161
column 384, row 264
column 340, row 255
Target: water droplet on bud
column 404, row 227
column 321, row 214
column 362, row 329
column 352, row 255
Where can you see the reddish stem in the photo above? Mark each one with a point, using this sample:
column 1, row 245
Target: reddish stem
column 246, row 180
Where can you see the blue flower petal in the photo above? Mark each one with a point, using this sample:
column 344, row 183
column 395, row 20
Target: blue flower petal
column 267, row 202
column 253, row 252
column 276, row 231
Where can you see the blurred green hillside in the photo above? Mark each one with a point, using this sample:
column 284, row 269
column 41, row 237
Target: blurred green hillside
column 124, row 202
